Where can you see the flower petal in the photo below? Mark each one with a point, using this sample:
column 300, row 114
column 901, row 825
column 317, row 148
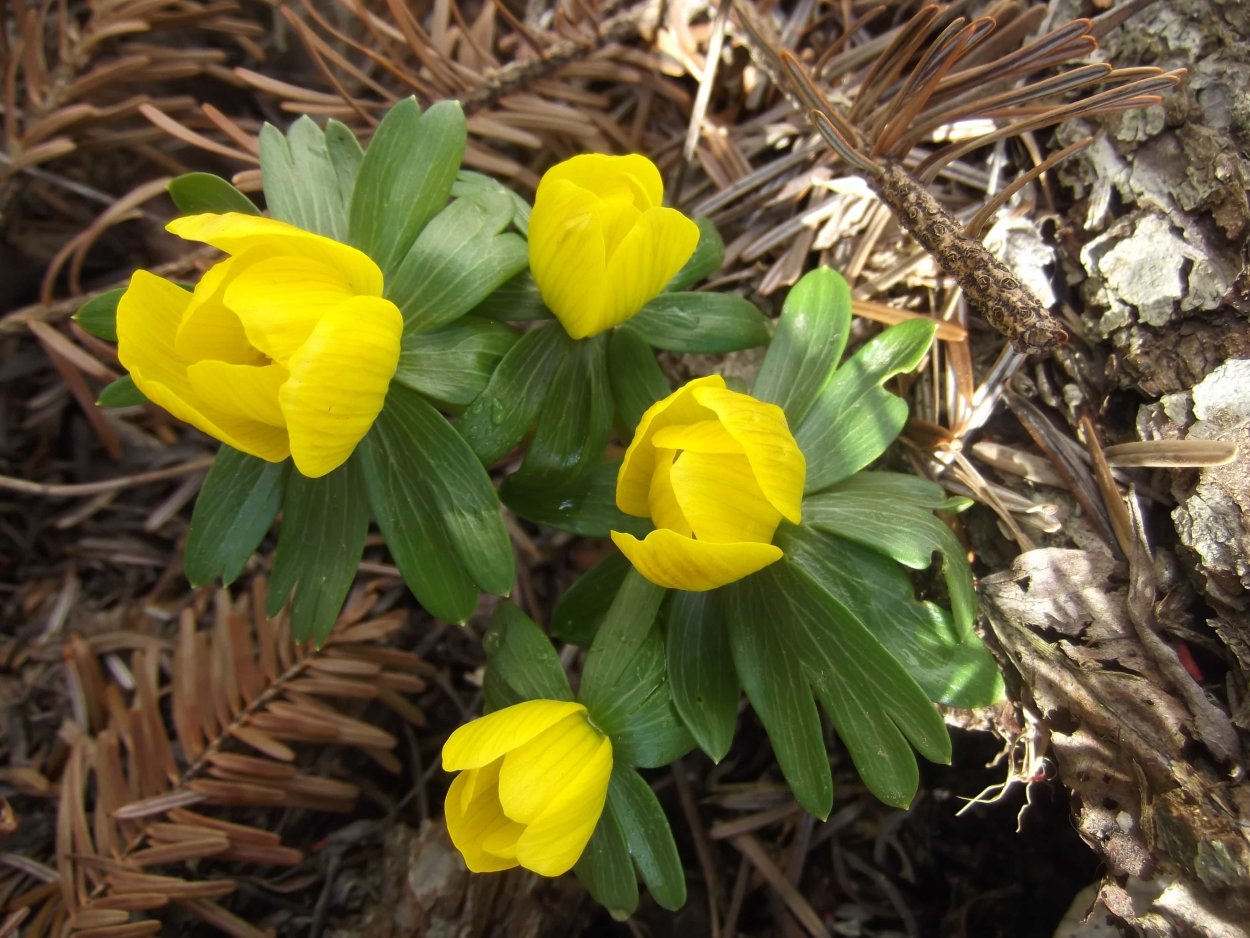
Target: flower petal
column 281, row 300
column 487, row 738
column 633, row 481
column 475, row 818
column 665, row 509
column 667, row 559
column 555, row 840
column 338, row 382
column 601, row 245
column 534, row 773
column 617, row 218
column 477, row 781
column 632, row 177
column 646, row 259
column 148, row 315
column 235, row 233
column 249, row 391
column 209, row 328
column 721, row 500
column 567, row 257
column 761, row 428
column 706, row 436
column 247, row 436
column 501, row 841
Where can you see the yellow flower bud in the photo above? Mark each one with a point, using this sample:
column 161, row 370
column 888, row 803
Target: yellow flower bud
column 715, row 471
column 286, row 347
column 533, row 781
column 601, row 244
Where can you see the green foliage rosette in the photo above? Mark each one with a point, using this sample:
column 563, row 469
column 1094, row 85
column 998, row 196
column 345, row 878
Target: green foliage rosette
column 623, row 690
column 320, row 352
column 826, row 616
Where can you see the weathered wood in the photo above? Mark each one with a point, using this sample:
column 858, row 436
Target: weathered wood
column 1151, row 763
column 425, row 890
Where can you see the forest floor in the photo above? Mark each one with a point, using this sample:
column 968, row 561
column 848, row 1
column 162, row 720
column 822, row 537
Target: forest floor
column 1115, row 600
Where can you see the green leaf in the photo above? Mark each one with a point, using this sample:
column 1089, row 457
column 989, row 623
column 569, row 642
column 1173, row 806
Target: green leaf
column 237, row 503
column 468, row 182
column 709, row 323
column 853, row 419
column 808, row 343
column 436, row 507
column 875, row 706
column 516, row 300
column 497, row 693
column 324, row 522
column 581, row 609
column 655, row 735
column 707, row 258
column 522, row 656
column 460, row 258
column 453, row 364
column 300, row 179
column 952, row 668
column 503, row 413
column 918, row 492
column 416, row 534
column 576, row 418
column 404, row 181
column 346, row 156
column 121, row 393
column 624, row 686
column 197, row 193
column 636, row 378
column 648, row 836
column 701, row 669
column 647, row 731
column 610, row 686
column 606, row 870
column 895, row 519
column 462, row 490
column 98, row 315
column 585, row 506
column 777, row 686
column 884, row 760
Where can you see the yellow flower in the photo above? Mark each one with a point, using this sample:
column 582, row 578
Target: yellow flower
column 534, row 781
column 601, row 245
column 286, row 347
column 716, row 471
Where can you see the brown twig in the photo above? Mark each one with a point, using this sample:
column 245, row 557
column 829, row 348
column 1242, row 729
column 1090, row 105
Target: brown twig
column 81, row 489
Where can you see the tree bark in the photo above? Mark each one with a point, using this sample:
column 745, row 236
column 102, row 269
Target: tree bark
column 1146, row 738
